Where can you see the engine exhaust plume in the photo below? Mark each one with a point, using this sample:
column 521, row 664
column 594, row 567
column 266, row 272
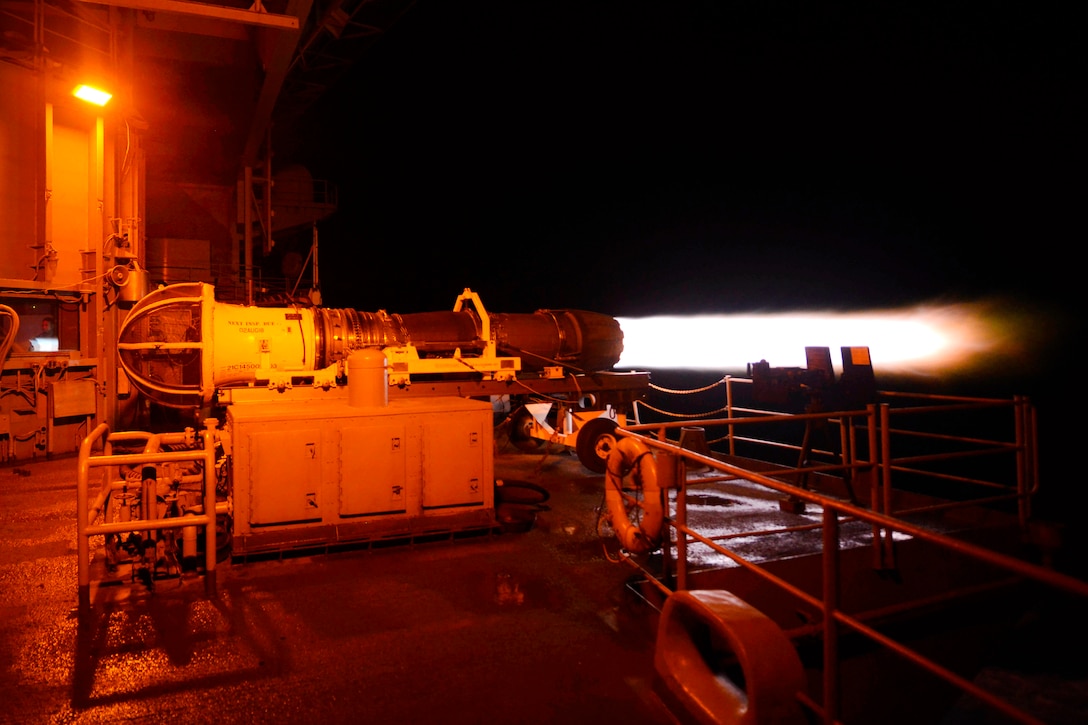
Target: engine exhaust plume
column 933, row 339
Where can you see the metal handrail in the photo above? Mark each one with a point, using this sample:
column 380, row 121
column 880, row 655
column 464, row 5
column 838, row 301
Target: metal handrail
column 876, row 421
column 881, row 431
column 87, row 515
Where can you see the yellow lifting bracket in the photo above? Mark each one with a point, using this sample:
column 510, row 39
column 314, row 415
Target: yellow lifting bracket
column 404, row 361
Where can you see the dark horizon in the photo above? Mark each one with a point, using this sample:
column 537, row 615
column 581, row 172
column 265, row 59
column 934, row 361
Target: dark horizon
column 632, row 158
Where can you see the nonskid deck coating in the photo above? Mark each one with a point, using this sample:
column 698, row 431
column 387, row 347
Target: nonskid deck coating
column 528, row 627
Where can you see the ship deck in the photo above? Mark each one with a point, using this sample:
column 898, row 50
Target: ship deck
column 533, row 624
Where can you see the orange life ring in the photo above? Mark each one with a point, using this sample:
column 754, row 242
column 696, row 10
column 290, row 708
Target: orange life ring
column 632, row 455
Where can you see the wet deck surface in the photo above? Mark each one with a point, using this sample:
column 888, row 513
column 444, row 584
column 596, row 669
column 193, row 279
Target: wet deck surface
column 528, row 627
column 535, row 626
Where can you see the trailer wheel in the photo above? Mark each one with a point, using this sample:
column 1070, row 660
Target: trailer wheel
column 596, row 439
column 521, row 427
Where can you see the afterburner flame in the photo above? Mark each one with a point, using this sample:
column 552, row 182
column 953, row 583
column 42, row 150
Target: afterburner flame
column 923, row 339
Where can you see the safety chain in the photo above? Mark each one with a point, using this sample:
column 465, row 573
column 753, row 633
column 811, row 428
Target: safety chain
column 723, row 411
column 707, row 414
column 687, row 392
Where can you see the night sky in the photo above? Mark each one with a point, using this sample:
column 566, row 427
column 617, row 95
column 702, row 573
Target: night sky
column 634, row 158
column 637, row 158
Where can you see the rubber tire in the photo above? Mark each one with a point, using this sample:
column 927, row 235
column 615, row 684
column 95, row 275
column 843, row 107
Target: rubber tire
column 595, row 437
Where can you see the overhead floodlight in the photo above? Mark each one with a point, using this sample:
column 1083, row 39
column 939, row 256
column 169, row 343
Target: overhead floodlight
column 92, row 95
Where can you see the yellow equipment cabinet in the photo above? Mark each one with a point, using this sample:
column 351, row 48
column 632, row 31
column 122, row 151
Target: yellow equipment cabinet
column 374, row 473
column 328, row 472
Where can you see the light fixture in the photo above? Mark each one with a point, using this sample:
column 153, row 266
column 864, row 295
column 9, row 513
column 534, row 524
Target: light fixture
column 92, row 95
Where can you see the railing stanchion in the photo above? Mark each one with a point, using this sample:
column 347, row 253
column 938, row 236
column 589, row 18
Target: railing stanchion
column 681, row 525
column 830, row 607
column 888, row 555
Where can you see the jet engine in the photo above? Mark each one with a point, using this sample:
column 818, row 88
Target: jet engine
column 178, row 345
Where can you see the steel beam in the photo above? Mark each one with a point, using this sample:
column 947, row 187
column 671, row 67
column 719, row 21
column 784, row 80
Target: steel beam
column 250, row 16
